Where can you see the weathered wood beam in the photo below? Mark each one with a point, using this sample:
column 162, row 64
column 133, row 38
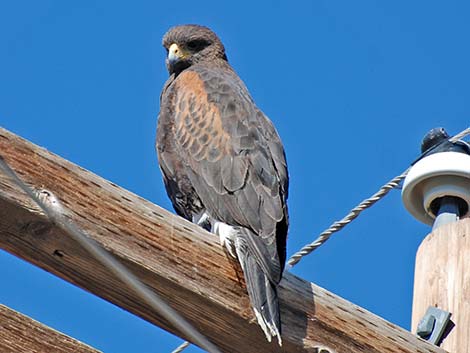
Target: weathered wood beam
column 21, row 334
column 180, row 261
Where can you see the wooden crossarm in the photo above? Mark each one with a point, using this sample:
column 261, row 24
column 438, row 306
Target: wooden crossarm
column 178, row 260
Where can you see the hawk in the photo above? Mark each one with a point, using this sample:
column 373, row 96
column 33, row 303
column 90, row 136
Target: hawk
column 223, row 163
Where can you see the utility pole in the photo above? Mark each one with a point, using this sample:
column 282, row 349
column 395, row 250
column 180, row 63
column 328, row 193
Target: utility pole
column 442, row 280
column 436, row 191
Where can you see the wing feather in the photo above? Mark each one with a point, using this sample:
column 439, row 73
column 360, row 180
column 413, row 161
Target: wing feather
column 235, row 157
column 234, row 172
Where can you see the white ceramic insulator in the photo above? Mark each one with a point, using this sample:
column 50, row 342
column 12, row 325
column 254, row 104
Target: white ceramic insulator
column 435, row 176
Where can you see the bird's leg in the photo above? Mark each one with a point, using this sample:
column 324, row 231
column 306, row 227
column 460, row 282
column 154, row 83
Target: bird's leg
column 227, row 236
column 202, row 219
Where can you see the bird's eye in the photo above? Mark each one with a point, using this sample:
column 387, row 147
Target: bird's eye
column 197, row 44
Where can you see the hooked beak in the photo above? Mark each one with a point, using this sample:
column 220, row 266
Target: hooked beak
column 175, row 54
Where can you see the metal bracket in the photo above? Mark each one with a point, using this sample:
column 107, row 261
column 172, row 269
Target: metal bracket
column 433, row 325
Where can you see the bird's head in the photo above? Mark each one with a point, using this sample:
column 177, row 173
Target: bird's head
column 187, row 45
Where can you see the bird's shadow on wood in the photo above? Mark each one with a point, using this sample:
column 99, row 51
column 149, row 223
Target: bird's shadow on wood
column 236, row 267
column 297, row 314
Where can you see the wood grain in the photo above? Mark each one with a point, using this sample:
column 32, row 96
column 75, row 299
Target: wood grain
column 442, row 279
column 21, row 334
column 180, row 261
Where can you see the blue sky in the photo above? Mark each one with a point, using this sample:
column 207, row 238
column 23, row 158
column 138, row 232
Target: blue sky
column 351, row 86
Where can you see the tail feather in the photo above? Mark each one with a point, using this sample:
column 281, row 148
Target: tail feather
column 263, row 295
column 274, row 310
